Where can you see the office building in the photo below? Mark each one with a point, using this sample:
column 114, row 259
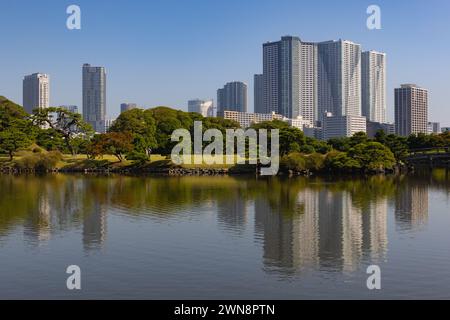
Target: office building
column 71, row 108
column 290, row 78
column 298, row 122
column 374, row 127
column 258, row 93
column 445, row 129
column 232, row 97
column 434, row 127
column 127, row 106
column 342, row 126
column 94, row 97
column 411, row 110
column 36, row 92
column 373, row 85
column 246, row 119
column 339, row 78
column 204, row 107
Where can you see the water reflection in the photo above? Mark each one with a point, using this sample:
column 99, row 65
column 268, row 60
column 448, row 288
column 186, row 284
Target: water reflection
column 299, row 224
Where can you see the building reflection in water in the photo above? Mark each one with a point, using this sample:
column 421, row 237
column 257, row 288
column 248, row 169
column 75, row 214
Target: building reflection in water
column 232, row 213
column 327, row 231
column 411, row 207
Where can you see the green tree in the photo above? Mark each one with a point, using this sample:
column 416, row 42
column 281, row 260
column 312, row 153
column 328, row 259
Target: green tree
column 114, row 143
column 141, row 124
column 340, row 162
column 65, row 123
column 373, row 156
column 13, row 139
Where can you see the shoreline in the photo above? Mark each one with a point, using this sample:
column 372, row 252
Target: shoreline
column 238, row 170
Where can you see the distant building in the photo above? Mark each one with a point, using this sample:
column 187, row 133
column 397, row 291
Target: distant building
column 290, row 78
column 339, row 76
column 94, row 97
column 342, row 126
column 127, row 106
column 204, row 107
column 36, row 92
column 411, row 110
column 434, row 127
column 258, row 93
column 247, row 119
column 445, row 129
column 71, row 108
column 313, row 132
column 108, row 124
column 373, row 86
column 374, row 127
column 232, row 97
column 298, row 122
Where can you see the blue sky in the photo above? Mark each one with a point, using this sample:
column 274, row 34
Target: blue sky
column 164, row 52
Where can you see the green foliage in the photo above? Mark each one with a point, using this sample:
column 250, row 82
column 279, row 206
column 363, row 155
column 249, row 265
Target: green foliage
column 315, row 162
column 372, row 156
column 12, row 139
column 340, row 162
column 114, row 143
column 142, row 126
column 63, row 124
column 42, row 161
column 16, row 131
column 294, row 161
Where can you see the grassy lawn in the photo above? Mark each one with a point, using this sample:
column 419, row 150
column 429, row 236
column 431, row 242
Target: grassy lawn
column 81, row 162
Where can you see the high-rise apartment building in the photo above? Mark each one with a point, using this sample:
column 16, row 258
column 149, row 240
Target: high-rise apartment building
column 342, row 126
column 290, row 78
column 36, row 92
column 127, row 106
column 232, row 97
column 71, row 108
column 204, row 107
column 411, row 110
column 373, row 83
column 94, row 96
column 339, row 77
column 258, row 93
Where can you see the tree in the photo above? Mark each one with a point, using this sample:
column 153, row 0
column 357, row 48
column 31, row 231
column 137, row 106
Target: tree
column 63, row 122
column 141, row 124
column 373, row 156
column 341, row 162
column 115, row 143
column 13, row 139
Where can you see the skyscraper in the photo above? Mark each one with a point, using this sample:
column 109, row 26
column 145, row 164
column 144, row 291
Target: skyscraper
column 94, row 96
column 373, row 83
column 411, row 110
column 258, row 93
column 204, row 107
column 339, row 72
column 290, row 78
column 232, row 97
column 127, row 106
column 36, row 92
column 70, row 108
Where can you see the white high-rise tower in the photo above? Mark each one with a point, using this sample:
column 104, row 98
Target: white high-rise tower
column 339, row 78
column 373, row 82
column 36, row 92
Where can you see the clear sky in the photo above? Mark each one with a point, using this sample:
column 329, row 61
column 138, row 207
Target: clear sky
column 165, row 52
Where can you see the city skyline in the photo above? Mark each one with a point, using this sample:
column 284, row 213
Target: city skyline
column 166, row 85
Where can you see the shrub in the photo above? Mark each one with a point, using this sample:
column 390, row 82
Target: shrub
column 315, row 161
column 40, row 161
column 137, row 157
column 293, row 161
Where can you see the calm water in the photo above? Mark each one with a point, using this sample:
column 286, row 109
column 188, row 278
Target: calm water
column 224, row 237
